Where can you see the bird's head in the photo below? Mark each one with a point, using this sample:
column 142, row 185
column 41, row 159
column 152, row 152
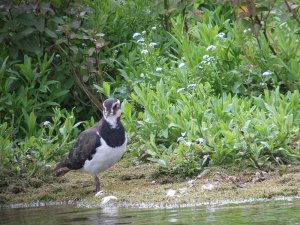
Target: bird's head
column 112, row 110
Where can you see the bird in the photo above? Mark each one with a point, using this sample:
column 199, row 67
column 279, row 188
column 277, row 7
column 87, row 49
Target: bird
column 99, row 147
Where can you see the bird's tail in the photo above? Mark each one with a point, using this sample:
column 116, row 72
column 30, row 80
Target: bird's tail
column 60, row 169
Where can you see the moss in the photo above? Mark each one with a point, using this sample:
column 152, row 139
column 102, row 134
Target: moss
column 142, row 184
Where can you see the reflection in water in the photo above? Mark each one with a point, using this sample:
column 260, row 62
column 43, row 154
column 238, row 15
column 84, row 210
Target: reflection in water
column 209, row 214
column 273, row 212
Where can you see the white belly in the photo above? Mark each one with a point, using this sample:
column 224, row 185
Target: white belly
column 104, row 158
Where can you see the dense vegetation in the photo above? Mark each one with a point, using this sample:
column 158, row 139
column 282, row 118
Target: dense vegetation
column 203, row 83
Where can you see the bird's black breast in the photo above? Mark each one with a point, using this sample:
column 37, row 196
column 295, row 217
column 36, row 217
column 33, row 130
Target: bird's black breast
column 114, row 137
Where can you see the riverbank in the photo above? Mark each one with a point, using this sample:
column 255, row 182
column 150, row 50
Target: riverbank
column 142, row 186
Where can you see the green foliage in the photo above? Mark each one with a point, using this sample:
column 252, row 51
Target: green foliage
column 27, row 27
column 47, row 141
column 202, row 83
column 28, row 94
column 217, row 130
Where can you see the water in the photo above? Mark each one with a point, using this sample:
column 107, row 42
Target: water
column 270, row 212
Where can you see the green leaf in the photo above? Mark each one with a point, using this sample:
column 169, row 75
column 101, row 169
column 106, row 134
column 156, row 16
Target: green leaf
column 164, row 133
column 31, row 124
column 91, row 51
column 61, row 40
column 40, row 24
column 106, row 89
column 27, row 31
column 126, row 108
column 50, row 33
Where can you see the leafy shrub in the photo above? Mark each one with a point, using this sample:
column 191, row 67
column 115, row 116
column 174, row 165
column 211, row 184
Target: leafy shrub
column 27, row 93
column 48, row 141
column 211, row 95
column 198, row 128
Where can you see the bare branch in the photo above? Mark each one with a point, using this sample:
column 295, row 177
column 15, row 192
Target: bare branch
column 291, row 10
column 93, row 99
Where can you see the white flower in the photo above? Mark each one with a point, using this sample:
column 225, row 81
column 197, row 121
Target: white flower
column 181, row 65
column 247, row 30
column 46, row 123
column 200, row 140
column 179, row 139
column 136, row 35
column 152, row 44
column 211, row 58
column 200, row 67
column 141, row 40
column 142, row 75
column 220, row 35
column 187, row 143
column 171, row 193
column 153, row 28
column 267, row 73
column 191, row 85
column 144, row 32
column 207, row 60
column 144, row 51
column 211, row 47
column 180, row 90
column 158, row 69
column 57, row 55
column 205, row 57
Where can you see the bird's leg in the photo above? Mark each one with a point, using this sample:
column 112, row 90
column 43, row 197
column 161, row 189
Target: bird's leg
column 97, row 182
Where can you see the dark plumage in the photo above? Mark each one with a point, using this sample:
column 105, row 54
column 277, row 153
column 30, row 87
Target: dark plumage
column 98, row 147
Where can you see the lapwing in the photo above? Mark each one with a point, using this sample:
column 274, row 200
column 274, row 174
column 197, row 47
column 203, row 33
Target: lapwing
column 99, row 147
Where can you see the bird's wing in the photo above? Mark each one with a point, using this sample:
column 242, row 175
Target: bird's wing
column 83, row 149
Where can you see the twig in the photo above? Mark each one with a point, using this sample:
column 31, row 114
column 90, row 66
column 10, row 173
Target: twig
column 76, row 71
column 166, row 15
column 292, row 11
column 93, row 99
column 265, row 34
column 186, row 26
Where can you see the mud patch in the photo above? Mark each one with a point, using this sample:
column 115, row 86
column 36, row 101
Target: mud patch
column 142, row 185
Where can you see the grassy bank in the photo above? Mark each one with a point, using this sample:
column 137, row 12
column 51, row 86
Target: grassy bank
column 142, row 185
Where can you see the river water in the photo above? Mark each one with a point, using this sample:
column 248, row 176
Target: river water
column 266, row 212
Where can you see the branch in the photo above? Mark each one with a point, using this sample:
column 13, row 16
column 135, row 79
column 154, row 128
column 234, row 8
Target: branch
column 292, row 11
column 93, row 99
column 264, row 28
column 166, row 15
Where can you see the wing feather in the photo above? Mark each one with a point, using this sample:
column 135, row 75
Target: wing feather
column 83, row 149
